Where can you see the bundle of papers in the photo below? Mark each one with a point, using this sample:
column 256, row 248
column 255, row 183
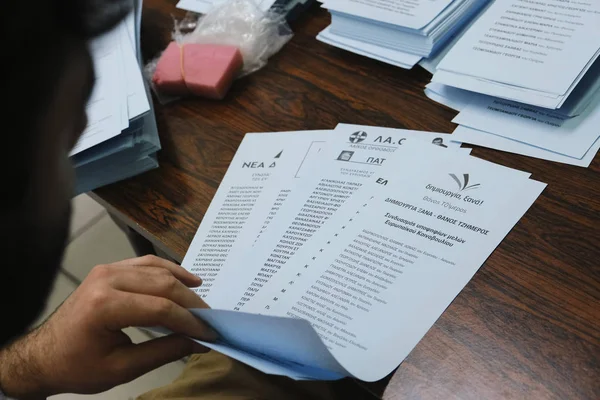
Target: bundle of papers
column 517, row 128
column 398, row 32
column 121, row 139
column 531, row 52
column 329, row 254
column 565, row 133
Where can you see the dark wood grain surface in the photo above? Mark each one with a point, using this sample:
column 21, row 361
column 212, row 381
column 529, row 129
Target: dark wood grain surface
column 528, row 324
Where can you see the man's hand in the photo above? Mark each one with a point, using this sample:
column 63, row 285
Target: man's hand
column 81, row 347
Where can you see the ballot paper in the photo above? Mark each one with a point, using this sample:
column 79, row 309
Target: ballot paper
column 403, row 255
column 457, row 99
column 353, row 155
column 411, row 14
column 517, row 128
column 119, row 93
column 547, row 130
column 431, row 63
column 122, row 138
column 424, row 42
column 137, row 100
column 531, row 52
column 364, row 201
column 489, row 140
column 581, row 98
column 415, row 239
column 386, row 55
column 577, row 103
column 105, row 104
column 374, row 30
column 407, row 155
column 244, row 201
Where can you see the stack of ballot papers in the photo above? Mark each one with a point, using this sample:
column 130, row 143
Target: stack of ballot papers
column 526, row 78
column 329, row 254
column 521, row 129
column 531, row 52
column 398, row 32
column 121, row 139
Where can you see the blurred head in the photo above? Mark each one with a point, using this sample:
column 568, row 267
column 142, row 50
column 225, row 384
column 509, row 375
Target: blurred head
column 46, row 76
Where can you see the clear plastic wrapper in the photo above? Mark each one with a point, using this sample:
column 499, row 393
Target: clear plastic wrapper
column 239, row 23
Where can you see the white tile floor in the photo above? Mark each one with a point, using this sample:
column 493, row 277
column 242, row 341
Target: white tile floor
column 95, row 239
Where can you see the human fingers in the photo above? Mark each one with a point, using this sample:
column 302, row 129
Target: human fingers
column 180, row 273
column 133, row 309
column 156, row 282
column 135, row 360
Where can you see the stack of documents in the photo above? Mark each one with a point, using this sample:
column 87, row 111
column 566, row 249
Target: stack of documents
column 121, row 139
column 397, row 32
column 350, row 243
column 526, row 78
column 534, row 53
column 521, row 129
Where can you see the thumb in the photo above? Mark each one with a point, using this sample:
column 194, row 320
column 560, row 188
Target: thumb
column 137, row 359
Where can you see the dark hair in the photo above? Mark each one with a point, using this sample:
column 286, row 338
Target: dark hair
column 90, row 18
column 34, row 38
column 38, row 40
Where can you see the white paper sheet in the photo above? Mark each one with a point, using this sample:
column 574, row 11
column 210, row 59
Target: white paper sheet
column 408, row 253
column 454, row 98
column 415, row 157
column 493, row 89
column 104, row 109
column 292, row 342
column 421, row 42
column 572, row 137
column 383, row 54
column 412, row 14
column 130, row 28
column 485, row 139
column 119, row 94
column 519, row 47
column 121, row 80
column 576, row 104
column 352, row 156
column 431, row 63
column 274, row 345
column 443, row 100
column 243, row 201
column 137, row 100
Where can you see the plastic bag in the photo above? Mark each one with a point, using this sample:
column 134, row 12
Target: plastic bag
column 240, row 23
column 243, row 24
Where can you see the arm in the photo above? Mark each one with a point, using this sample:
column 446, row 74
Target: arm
column 20, row 369
column 81, row 348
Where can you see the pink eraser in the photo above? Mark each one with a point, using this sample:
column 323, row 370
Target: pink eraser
column 210, row 69
column 167, row 76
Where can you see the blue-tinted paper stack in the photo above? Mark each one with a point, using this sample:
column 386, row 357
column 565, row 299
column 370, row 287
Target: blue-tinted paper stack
column 397, row 32
column 121, row 140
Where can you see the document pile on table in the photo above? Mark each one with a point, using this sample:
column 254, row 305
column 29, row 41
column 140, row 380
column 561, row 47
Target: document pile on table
column 525, row 77
column 363, row 235
column 121, row 138
column 398, row 32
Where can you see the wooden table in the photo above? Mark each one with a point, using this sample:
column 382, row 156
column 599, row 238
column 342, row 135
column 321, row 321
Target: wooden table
column 527, row 326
